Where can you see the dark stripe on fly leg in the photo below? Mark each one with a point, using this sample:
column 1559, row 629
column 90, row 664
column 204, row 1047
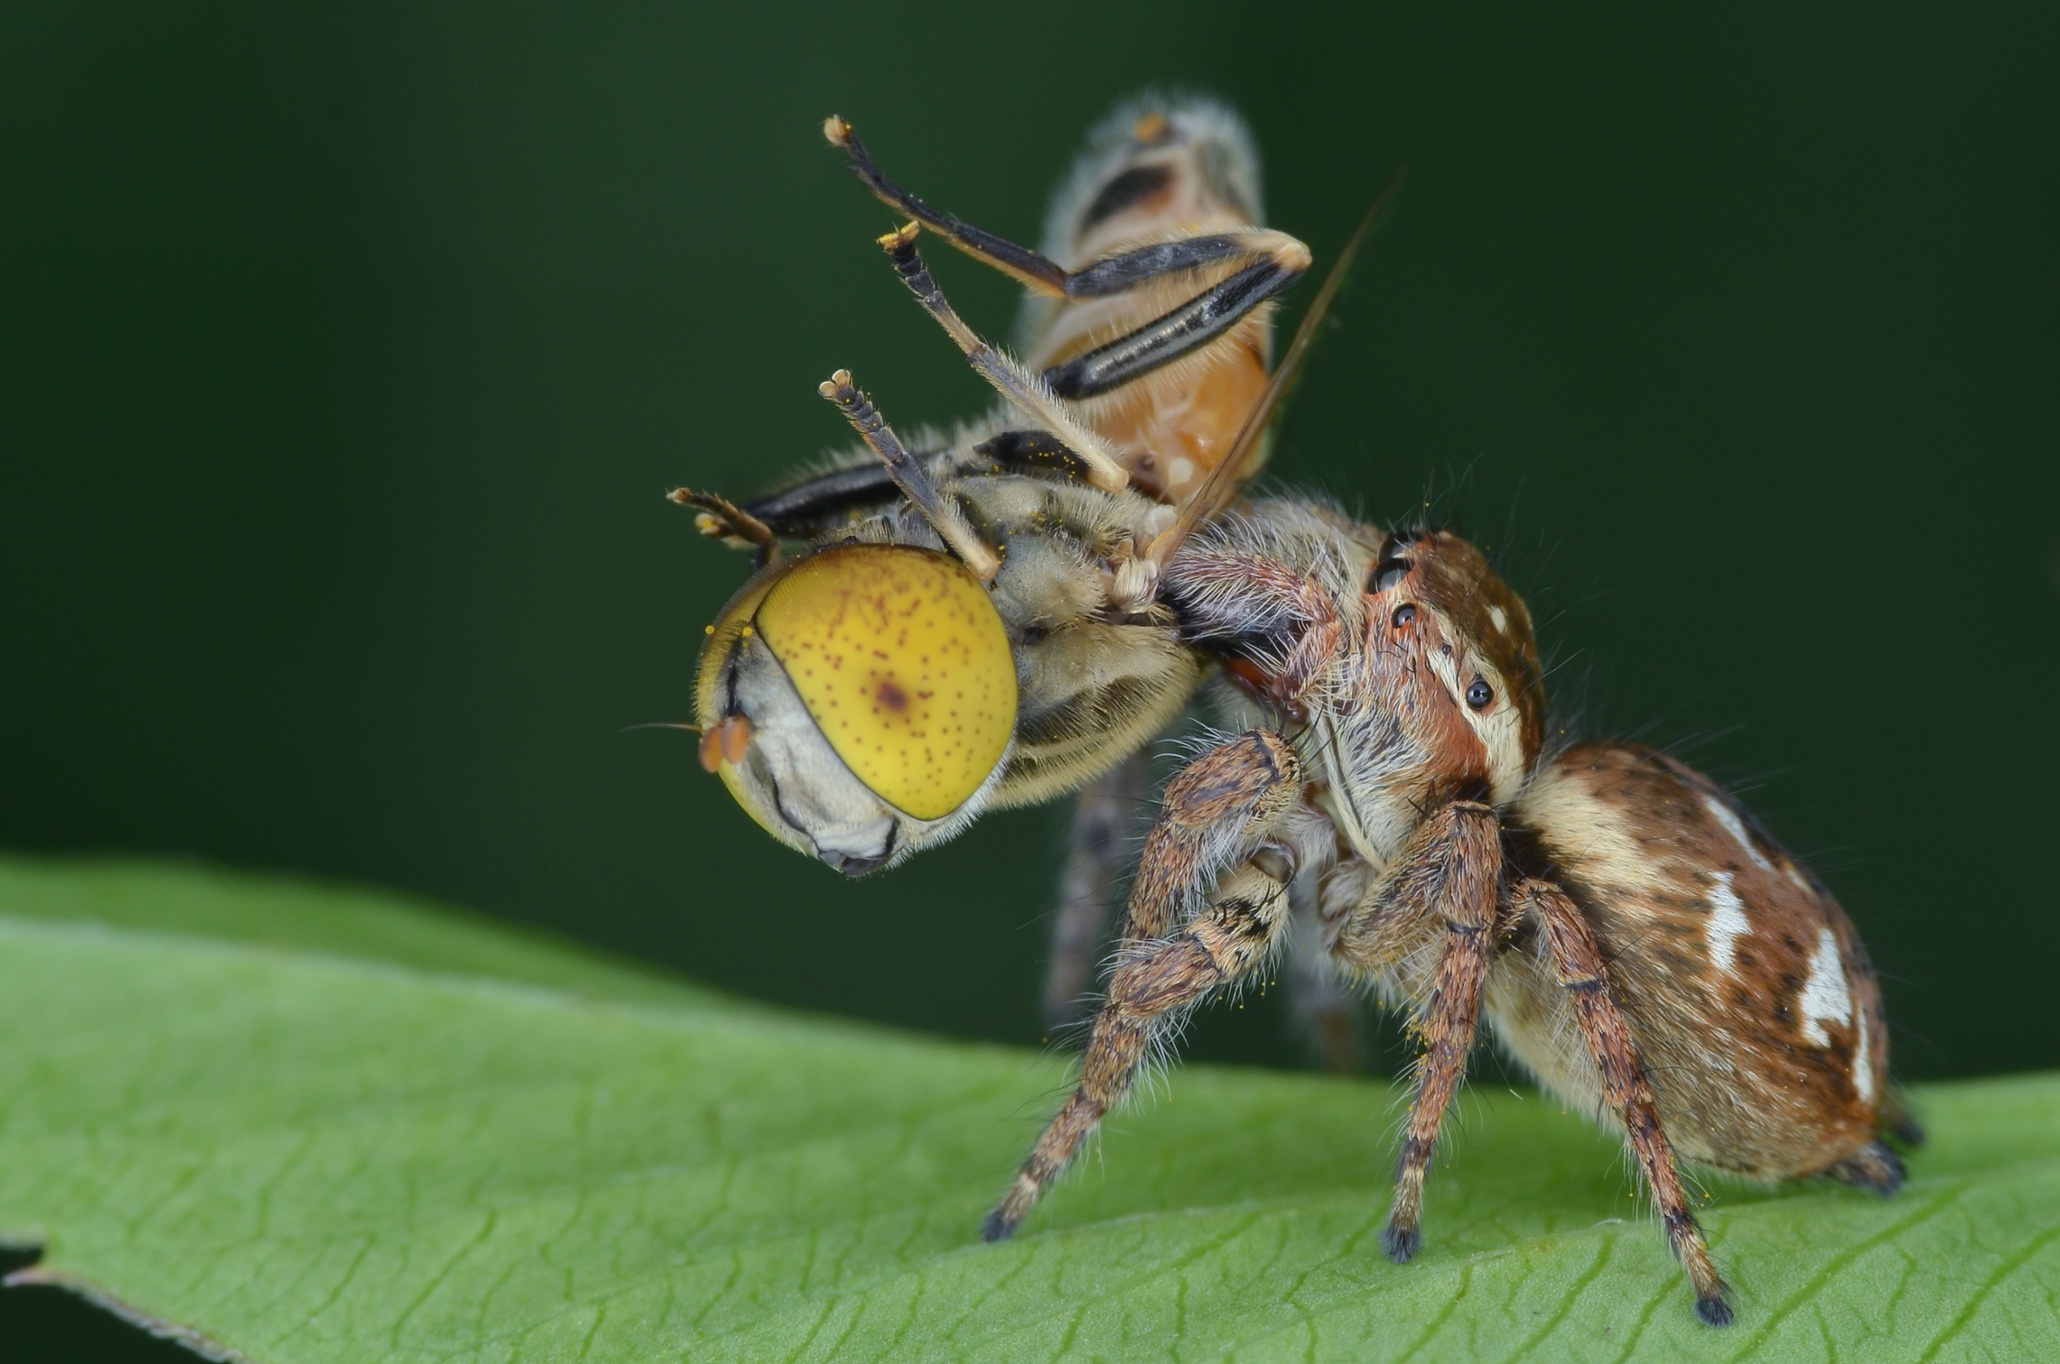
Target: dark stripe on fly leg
column 1167, row 338
column 1023, row 390
column 910, row 476
column 802, row 508
column 1125, row 271
column 1033, row 268
column 1033, row 452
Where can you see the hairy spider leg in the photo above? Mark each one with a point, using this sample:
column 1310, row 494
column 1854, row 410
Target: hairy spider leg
column 1218, row 811
column 1608, row 1037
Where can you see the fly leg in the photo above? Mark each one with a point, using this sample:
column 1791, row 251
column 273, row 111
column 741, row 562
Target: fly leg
column 1103, row 815
column 1255, row 264
column 909, row 475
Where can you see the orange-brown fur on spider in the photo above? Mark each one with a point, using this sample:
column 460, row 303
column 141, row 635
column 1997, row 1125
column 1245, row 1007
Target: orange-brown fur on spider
column 1635, row 938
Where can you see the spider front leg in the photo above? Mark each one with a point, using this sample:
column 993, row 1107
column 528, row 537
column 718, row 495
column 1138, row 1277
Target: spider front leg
column 1218, row 812
column 1442, row 889
column 1582, row 975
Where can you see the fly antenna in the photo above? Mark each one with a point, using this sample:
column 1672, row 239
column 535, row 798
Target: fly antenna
column 909, row 476
column 722, row 519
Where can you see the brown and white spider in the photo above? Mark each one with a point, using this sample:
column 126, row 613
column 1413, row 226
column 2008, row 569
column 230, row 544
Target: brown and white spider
column 1002, row 620
column 1636, row 939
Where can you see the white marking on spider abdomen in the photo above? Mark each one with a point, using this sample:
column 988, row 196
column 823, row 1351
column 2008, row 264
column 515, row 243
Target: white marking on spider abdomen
column 1825, row 997
column 1500, row 618
column 1863, row 1066
column 1727, row 922
column 1736, row 828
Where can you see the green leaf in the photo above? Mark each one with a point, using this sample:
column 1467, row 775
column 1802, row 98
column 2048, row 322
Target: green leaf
column 296, row 1125
column 304, row 916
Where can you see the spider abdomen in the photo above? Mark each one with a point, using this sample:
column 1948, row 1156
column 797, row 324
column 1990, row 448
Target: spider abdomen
column 1749, row 996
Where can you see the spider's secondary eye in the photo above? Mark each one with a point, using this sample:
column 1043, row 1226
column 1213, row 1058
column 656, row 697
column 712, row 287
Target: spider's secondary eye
column 1403, row 615
column 1479, row 694
column 1388, row 574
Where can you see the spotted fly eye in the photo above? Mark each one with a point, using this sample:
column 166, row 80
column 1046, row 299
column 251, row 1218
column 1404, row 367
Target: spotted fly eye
column 903, row 664
column 875, row 684
column 1479, row 694
column 1404, row 614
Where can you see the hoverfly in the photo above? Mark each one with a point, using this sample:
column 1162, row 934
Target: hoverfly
column 1019, row 612
column 1032, row 539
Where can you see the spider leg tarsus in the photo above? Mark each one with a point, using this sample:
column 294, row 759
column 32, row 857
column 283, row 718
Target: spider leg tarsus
column 1874, row 1166
column 1401, row 1243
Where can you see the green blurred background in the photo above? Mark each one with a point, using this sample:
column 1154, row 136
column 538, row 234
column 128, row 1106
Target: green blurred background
column 347, row 355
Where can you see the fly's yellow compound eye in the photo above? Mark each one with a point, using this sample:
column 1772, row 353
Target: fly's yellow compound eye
column 901, row 660
column 900, row 663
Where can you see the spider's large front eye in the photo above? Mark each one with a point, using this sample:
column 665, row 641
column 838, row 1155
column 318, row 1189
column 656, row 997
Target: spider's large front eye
column 1480, row 694
column 892, row 656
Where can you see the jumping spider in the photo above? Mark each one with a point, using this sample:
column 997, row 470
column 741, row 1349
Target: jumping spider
column 1018, row 613
column 1638, row 941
